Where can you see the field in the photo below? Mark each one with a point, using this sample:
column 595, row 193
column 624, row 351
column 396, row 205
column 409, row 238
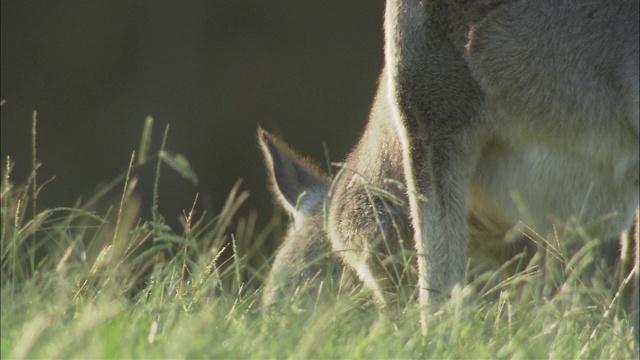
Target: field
column 85, row 283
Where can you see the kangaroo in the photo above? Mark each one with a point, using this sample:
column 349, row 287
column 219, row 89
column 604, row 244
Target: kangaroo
column 489, row 115
column 492, row 99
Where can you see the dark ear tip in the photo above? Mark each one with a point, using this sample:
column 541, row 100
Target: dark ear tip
column 264, row 136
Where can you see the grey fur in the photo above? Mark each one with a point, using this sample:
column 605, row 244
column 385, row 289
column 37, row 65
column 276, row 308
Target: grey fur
column 492, row 98
column 483, row 107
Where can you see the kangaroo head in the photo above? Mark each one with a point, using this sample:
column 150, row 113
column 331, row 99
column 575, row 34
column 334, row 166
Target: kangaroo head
column 305, row 258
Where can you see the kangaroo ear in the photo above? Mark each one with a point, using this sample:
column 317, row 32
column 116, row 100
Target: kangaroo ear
column 298, row 184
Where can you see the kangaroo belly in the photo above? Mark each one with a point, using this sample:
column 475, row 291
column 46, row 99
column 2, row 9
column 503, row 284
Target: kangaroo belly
column 567, row 104
column 541, row 188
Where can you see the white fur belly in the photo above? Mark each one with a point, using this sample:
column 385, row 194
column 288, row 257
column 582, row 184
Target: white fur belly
column 542, row 188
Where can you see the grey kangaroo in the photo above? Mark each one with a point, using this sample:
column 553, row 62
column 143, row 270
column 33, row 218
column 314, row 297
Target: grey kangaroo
column 490, row 115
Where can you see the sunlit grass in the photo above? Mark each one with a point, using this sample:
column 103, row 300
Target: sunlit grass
column 85, row 283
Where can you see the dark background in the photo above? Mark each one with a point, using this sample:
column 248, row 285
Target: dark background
column 213, row 70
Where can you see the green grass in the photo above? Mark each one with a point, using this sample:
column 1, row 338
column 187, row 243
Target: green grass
column 99, row 282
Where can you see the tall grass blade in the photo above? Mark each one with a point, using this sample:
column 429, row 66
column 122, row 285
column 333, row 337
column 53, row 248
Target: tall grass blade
column 145, row 141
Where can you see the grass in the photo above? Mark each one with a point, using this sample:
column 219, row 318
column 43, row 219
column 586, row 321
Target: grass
column 85, row 283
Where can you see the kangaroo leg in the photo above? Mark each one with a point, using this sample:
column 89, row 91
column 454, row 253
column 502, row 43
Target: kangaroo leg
column 436, row 122
column 630, row 270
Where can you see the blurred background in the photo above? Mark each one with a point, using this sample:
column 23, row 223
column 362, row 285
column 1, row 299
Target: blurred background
column 213, row 70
